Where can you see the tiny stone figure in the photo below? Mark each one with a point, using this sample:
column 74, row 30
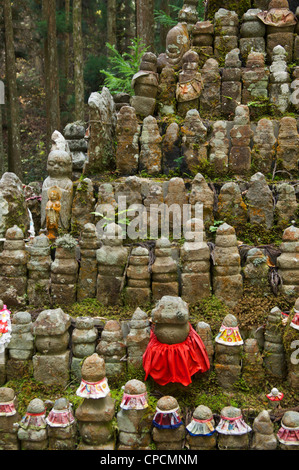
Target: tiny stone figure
column 53, row 208
column 275, row 397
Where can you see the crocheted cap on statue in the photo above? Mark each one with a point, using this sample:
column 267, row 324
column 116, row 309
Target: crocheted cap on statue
column 229, row 334
column 288, row 434
column 35, row 417
column 93, row 383
column 7, row 401
column 61, row 414
column 134, row 396
column 202, row 423
column 168, row 361
column 167, row 414
column 232, row 422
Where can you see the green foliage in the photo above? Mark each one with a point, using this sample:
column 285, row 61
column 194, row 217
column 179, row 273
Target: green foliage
column 92, row 79
column 166, row 20
column 171, row 20
column 122, row 67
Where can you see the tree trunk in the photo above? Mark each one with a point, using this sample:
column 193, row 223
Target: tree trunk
column 145, row 22
column 164, row 29
column 51, row 69
column 111, row 22
column 14, row 154
column 78, row 60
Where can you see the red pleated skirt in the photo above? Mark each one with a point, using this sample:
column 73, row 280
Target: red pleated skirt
column 176, row 363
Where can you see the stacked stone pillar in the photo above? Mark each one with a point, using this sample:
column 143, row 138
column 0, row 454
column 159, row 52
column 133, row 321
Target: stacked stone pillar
column 87, row 279
column 9, row 417
column 170, row 432
column 227, row 278
column 64, row 272
column 95, row 414
column 274, row 354
column 39, row 270
column 201, row 430
column 137, row 339
column 127, row 133
column 84, row 338
column 164, row 271
column 231, row 86
column 62, row 427
column 113, row 349
column 112, row 260
column 21, row 346
column 13, row 262
column 287, row 262
column 228, row 351
column 51, row 363
column 226, row 24
column 240, row 153
column 195, row 259
column 138, row 292
column 133, row 419
column 33, row 432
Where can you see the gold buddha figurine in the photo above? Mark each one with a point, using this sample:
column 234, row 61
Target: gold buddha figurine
column 53, row 208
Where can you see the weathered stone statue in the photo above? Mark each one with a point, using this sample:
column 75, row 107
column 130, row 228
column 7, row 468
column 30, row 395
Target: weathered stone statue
column 177, row 43
column 190, row 83
column 59, row 168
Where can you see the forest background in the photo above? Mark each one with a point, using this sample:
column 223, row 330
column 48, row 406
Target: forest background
column 54, row 53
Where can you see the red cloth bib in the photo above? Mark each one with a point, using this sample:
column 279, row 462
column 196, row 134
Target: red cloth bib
column 175, row 362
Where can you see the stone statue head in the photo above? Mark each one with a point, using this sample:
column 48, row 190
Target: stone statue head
column 177, row 43
column 59, row 164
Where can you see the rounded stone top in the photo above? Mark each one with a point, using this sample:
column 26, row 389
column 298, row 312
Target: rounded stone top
column 134, row 387
column 225, row 229
column 202, row 412
column 231, row 412
column 36, row 406
column 112, row 325
column 250, row 14
column 21, row 318
column 291, row 234
column 167, row 403
column 6, row 394
column 163, row 243
column 296, row 306
column 190, row 56
column 291, row 419
column 84, row 323
column 139, row 251
column 51, row 322
column 171, row 310
column 139, row 314
column 278, row 4
column 93, row 368
column 14, row 233
column 230, row 320
column 149, row 57
column 192, row 114
column 61, row 404
column 89, row 228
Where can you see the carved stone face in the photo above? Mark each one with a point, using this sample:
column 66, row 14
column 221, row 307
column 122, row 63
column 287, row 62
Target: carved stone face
column 59, row 164
column 177, row 43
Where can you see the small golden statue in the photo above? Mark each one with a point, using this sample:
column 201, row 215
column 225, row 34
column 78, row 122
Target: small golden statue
column 53, row 208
